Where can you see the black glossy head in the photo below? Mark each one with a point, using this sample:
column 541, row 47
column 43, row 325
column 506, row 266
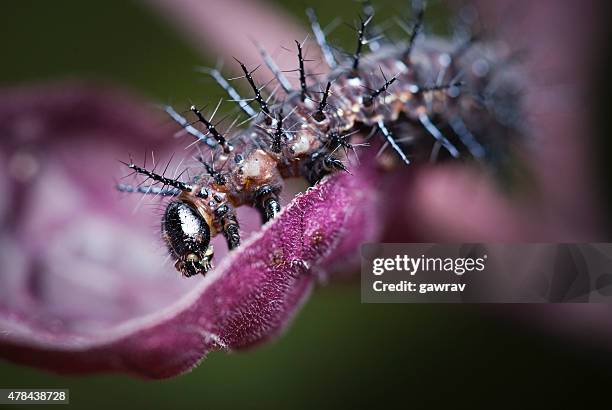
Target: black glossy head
column 187, row 236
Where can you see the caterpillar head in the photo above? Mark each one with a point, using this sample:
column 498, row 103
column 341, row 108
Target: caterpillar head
column 187, row 236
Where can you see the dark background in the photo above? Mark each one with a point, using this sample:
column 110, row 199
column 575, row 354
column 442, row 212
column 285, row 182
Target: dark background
column 338, row 352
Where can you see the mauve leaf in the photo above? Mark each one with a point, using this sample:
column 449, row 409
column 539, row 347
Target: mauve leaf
column 82, row 289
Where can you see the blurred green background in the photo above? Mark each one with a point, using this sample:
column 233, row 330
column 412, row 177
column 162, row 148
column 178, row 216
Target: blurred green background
column 338, row 352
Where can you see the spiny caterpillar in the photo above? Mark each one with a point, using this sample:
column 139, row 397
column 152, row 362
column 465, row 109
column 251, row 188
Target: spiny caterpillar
column 423, row 98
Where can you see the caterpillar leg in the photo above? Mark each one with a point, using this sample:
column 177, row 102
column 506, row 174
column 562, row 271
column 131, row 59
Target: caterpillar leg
column 321, row 164
column 226, row 217
column 267, row 203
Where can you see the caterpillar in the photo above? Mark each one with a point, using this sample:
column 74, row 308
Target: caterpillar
column 426, row 98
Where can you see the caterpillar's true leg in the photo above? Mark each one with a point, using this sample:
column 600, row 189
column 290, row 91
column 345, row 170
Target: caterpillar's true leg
column 321, row 164
column 226, row 217
column 267, row 203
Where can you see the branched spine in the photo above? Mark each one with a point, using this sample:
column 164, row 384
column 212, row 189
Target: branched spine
column 415, row 32
column 360, row 41
column 260, row 100
column 159, row 178
column 319, row 115
column 303, row 90
column 368, row 100
column 213, row 131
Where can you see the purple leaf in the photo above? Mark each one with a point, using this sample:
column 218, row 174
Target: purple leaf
column 82, row 287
